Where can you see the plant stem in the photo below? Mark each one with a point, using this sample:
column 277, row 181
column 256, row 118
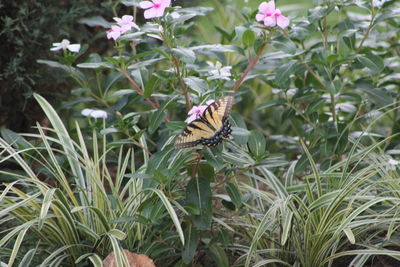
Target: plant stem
column 138, row 89
column 176, row 63
column 367, row 32
column 251, row 65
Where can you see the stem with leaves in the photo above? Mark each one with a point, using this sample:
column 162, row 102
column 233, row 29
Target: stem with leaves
column 176, row 63
column 251, row 65
column 138, row 89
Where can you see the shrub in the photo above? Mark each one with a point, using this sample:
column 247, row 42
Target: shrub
column 314, row 120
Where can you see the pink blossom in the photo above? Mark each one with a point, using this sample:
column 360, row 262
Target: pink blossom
column 115, row 32
column 271, row 16
column 197, row 111
column 154, row 8
column 126, row 23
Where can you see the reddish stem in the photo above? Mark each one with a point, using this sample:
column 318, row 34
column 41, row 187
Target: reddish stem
column 251, row 65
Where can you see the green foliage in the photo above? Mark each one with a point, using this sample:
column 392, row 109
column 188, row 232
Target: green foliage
column 79, row 206
column 310, row 175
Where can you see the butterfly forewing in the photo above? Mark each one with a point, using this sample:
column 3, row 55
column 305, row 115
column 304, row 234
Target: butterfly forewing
column 207, row 126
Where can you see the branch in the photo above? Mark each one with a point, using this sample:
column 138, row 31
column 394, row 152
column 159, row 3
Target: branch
column 251, row 65
column 138, row 89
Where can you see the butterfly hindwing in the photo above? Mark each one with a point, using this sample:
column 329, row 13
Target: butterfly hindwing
column 210, row 128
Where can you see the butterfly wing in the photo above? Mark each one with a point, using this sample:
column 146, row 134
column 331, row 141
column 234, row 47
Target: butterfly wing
column 214, row 114
column 207, row 125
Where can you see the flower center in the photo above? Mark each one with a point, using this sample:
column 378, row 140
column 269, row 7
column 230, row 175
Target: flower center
column 157, row 5
column 268, row 14
column 198, row 111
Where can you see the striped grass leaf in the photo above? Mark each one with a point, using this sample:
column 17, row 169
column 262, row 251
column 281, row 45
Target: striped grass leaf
column 21, row 230
column 46, row 203
column 265, row 224
column 28, row 257
column 120, row 256
column 65, row 139
column 60, row 251
column 271, row 261
column 94, row 259
column 171, row 212
column 370, row 252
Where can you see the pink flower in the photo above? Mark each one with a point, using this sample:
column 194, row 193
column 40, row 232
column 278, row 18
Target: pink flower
column 155, row 8
column 115, row 32
column 126, row 23
column 197, row 111
column 271, row 16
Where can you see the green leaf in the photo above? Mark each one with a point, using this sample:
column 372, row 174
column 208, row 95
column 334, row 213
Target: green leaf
column 192, row 237
column 234, row 194
column 282, row 75
column 96, row 65
column 197, row 85
column 285, row 45
column 219, row 255
column 319, row 12
column 171, row 212
column 257, row 143
column 379, row 96
column 248, row 38
column 372, row 62
column 95, row 21
column 198, row 194
column 14, row 139
column 150, row 85
column 157, row 117
column 271, row 103
column 185, row 54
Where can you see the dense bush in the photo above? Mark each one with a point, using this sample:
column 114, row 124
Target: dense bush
column 310, row 177
column 28, row 28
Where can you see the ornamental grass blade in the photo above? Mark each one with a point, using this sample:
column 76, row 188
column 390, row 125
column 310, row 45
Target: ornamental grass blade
column 171, row 212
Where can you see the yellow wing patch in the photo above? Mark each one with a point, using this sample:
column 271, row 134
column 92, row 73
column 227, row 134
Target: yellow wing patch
column 210, row 128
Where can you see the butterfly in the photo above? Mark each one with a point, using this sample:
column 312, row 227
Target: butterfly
column 210, row 128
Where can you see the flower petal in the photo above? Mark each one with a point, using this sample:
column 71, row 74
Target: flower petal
column 56, row 48
column 165, row 3
column 160, row 11
column 74, row 48
column 267, row 7
column 270, row 21
column 209, row 102
column 86, row 111
column 282, row 21
column 150, row 13
column 146, row 4
column 192, row 111
column 126, row 19
column 118, row 21
column 191, row 118
column 98, row 114
column 260, row 17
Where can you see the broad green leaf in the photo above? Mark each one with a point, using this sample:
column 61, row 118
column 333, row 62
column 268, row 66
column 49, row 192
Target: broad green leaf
column 372, row 62
column 192, row 237
column 95, row 21
column 257, row 143
column 248, row 38
column 219, row 255
column 198, row 194
column 234, row 194
column 198, row 85
column 96, row 65
column 283, row 73
column 285, row 45
column 185, row 54
column 151, row 85
column 271, row 103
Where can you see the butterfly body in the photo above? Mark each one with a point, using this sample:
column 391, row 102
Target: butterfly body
column 210, row 128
